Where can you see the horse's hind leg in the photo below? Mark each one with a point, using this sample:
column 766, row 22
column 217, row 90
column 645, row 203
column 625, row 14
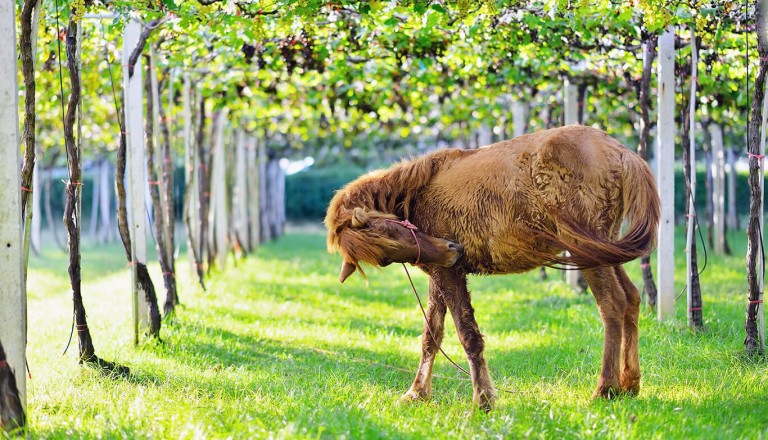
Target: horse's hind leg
column 430, row 343
column 612, row 303
column 630, row 374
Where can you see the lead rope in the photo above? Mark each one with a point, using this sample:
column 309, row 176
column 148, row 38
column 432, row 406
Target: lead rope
column 434, row 340
column 429, row 327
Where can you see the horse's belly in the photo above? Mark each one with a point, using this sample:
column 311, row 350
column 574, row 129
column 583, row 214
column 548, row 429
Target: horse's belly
column 503, row 257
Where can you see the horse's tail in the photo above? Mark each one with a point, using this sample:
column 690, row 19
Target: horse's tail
column 641, row 212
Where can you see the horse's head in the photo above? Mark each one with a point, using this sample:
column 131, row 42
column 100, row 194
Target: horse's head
column 381, row 239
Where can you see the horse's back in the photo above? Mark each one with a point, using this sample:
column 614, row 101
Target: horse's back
column 495, row 194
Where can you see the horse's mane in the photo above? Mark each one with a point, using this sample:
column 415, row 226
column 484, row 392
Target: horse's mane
column 389, row 192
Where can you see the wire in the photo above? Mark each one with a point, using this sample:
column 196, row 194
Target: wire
column 112, row 80
column 61, row 81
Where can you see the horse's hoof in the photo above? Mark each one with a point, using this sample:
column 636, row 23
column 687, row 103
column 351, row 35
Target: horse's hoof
column 485, row 401
column 607, row 392
column 631, row 387
column 413, row 396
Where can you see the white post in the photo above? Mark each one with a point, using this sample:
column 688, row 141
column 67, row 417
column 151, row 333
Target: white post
column 36, row 214
column 760, row 262
column 219, row 191
column 190, row 157
column 13, row 295
column 484, row 134
column 137, row 178
column 519, row 117
column 241, row 191
column 718, row 187
column 690, row 238
column 665, row 175
column 570, row 104
column 254, row 212
column 571, row 116
column 731, row 216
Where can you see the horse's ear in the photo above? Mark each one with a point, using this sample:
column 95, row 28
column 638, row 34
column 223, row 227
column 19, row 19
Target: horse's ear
column 347, row 269
column 359, row 218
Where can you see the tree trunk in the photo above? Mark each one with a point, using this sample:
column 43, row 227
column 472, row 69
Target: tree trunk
column 689, row 169
column 27, row 51
column 205, row 183
column 167, row 219
column 649, row 53
column 12, row 252
column 143, row 280
column 12, row 418
column 754, row 342
column 72, row 219
column 191, row 193
column 154, row 192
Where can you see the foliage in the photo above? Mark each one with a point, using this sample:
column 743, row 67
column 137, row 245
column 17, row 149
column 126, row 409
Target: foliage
column 366, row 74
column 279, row 349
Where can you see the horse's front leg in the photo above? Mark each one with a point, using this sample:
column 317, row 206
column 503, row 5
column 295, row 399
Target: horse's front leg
column 431, row 338
column 453, row 286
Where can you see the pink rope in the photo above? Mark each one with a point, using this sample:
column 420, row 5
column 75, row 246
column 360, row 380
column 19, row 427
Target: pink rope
column 411, row 227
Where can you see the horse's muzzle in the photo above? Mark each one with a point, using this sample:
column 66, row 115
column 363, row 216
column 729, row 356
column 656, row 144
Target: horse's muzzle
column 456, row 251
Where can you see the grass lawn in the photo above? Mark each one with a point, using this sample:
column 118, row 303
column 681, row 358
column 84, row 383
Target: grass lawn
column 277, row 348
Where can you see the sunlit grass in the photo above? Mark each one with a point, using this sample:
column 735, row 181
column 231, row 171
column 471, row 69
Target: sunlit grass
column 277, row 348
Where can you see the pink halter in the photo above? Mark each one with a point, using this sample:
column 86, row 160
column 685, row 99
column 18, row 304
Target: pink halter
column 411, row 227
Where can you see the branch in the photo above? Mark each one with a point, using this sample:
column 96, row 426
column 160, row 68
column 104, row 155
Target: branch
column 251, row 14
column 148, row 28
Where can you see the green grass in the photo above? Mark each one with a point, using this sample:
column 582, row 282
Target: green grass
column 277, row 348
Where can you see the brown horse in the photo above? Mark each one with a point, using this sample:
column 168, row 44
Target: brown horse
column 508, row 208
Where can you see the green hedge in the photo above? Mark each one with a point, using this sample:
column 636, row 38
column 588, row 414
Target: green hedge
column 308, row 192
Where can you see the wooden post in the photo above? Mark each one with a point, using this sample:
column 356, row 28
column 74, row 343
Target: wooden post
column 137, row 180
column 718, row 187
column 690, row 268
column 571, row 116
column 241, row 191
column 665, row 175
column 13, row 295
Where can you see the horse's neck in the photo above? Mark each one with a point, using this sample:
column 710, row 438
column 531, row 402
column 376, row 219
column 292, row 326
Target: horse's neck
column 395, row 189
